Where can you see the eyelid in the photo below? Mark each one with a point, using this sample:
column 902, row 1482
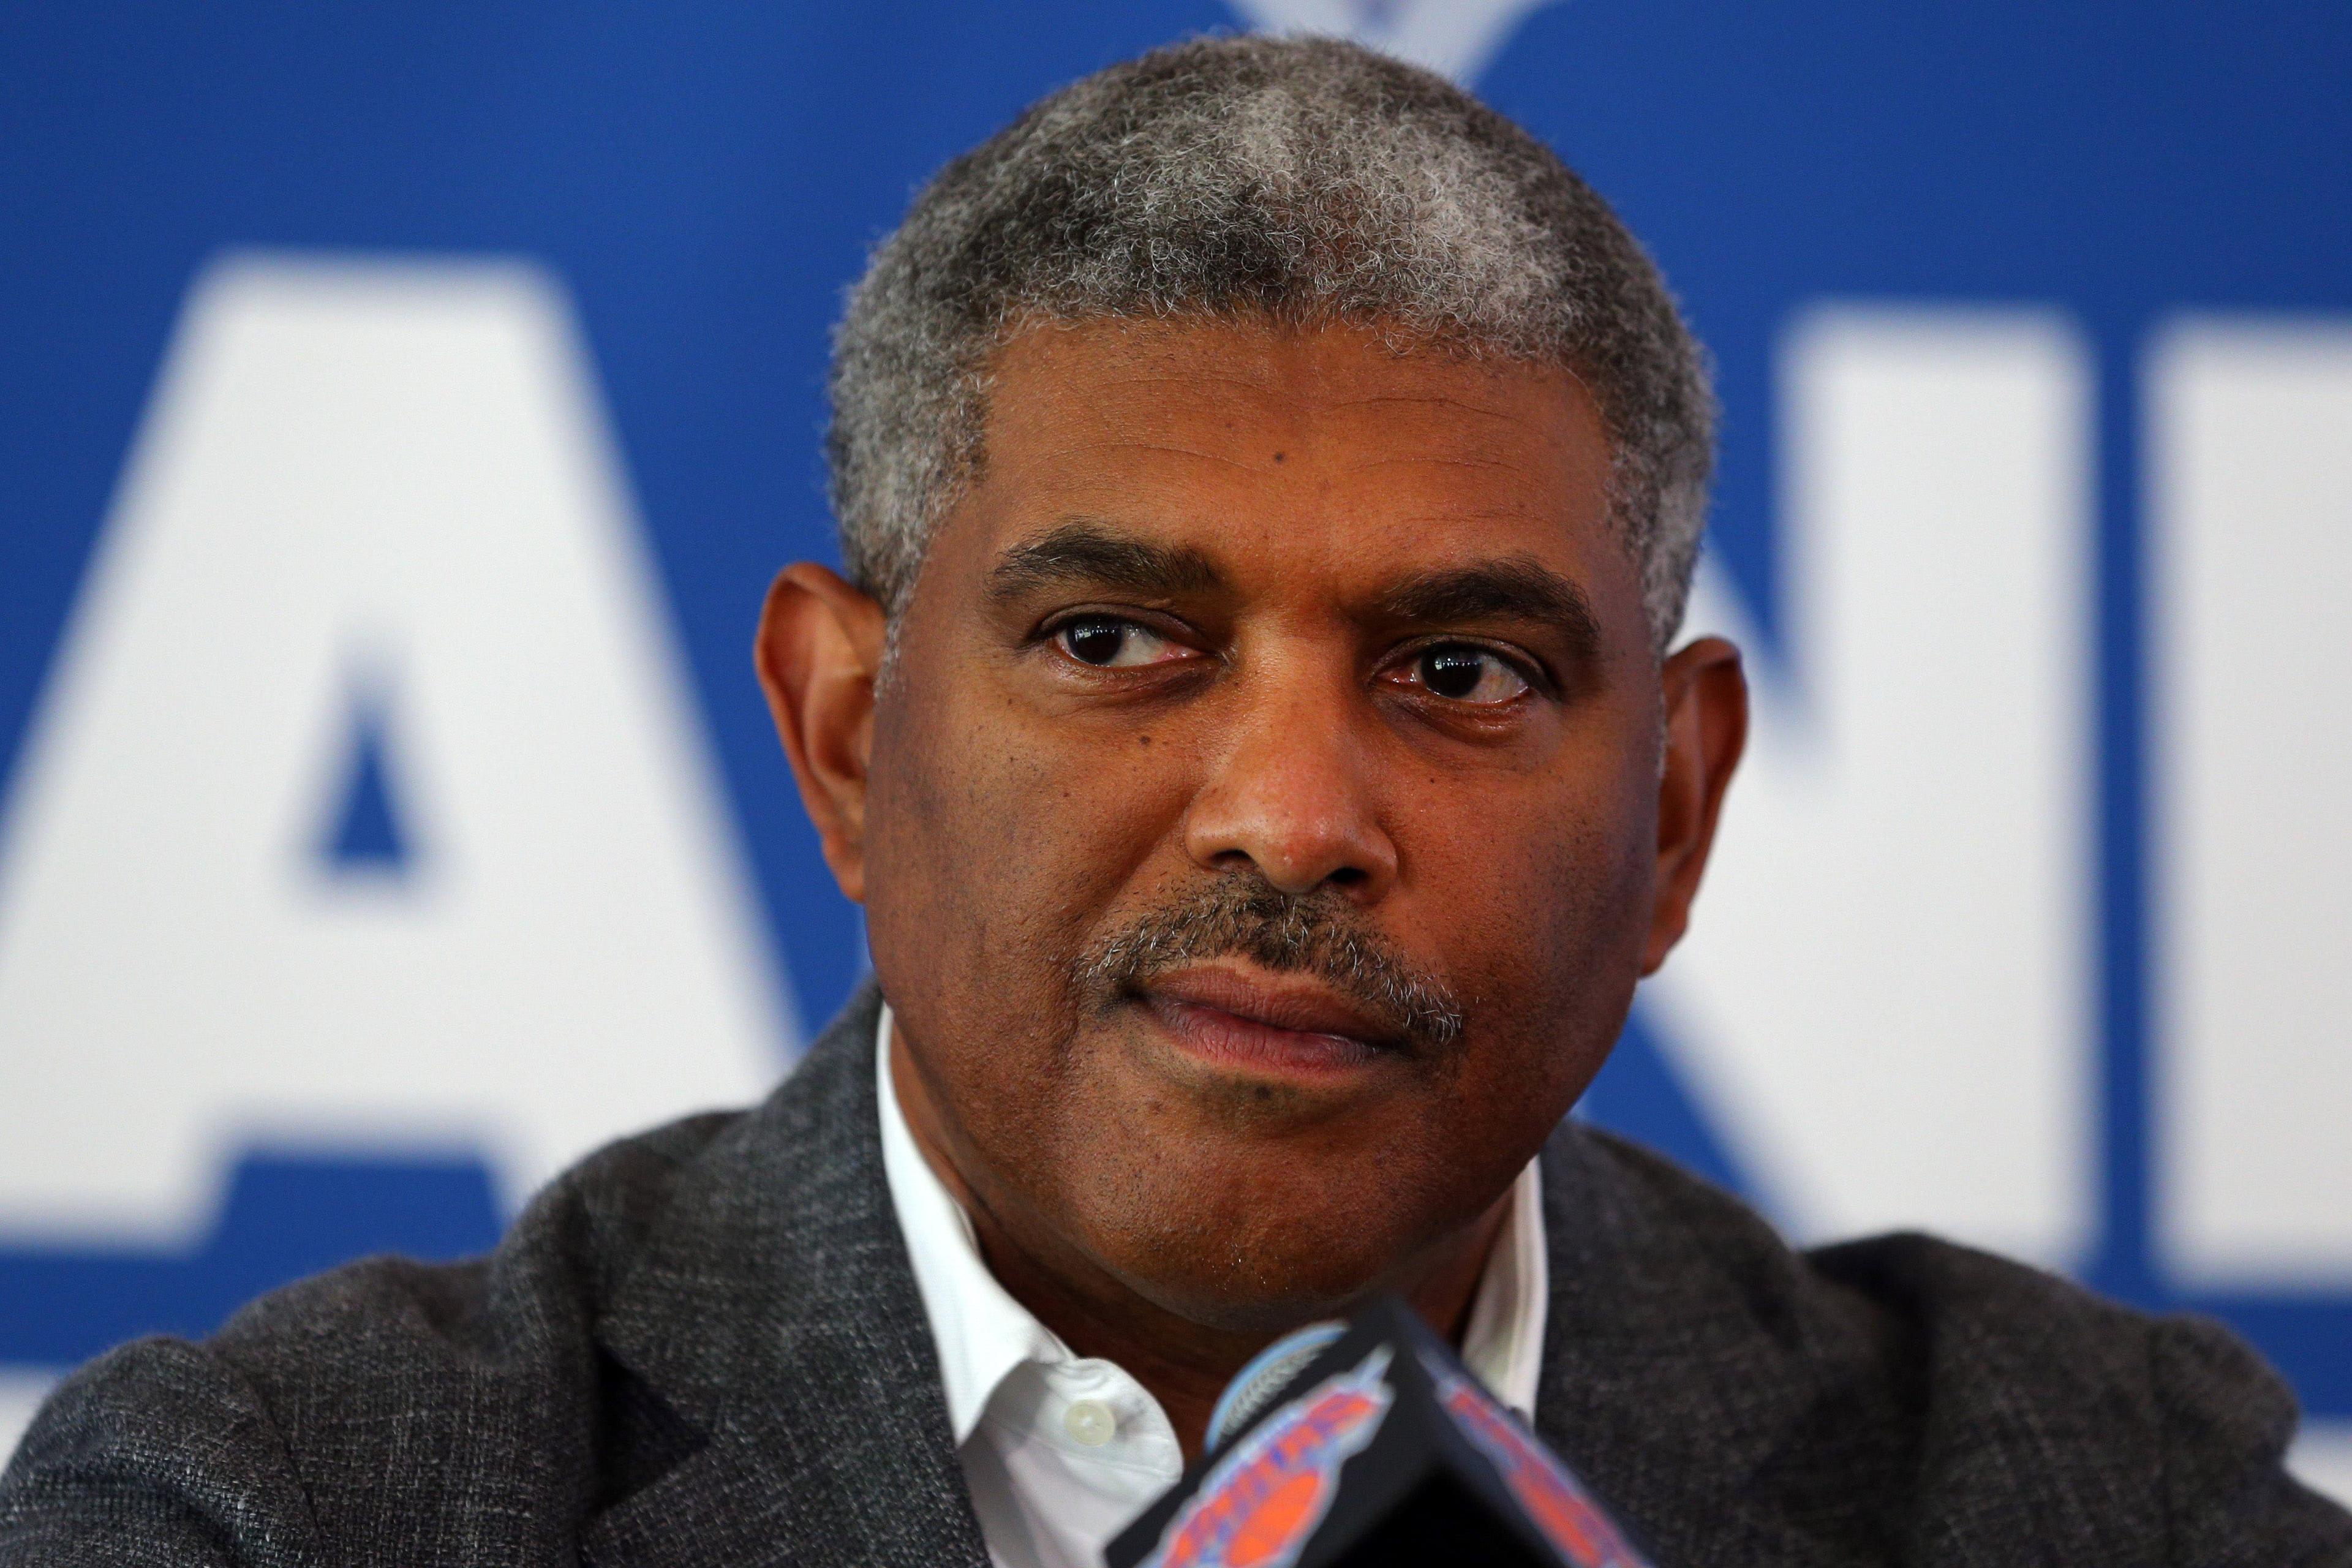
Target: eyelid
column 1166, row 628
column 1066, row 615
column 1178, row 638
column 1525, row 665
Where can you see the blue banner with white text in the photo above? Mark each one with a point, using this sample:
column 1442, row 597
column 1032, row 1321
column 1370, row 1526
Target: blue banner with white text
column 403, row 409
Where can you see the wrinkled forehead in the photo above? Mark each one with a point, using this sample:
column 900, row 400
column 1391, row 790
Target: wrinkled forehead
column 1339, row 375
column 1334, row 452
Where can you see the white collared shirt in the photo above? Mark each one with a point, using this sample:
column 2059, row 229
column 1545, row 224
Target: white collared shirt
column 1061, row 1451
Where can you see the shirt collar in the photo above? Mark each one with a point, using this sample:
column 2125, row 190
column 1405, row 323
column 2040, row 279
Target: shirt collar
column 1503, row 1342
column 980, row 1331
column 983, row 1334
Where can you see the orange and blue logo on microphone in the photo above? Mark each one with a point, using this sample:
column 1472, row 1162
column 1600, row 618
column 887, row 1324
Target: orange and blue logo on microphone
column 1559, row 1506
column 1260, row 1504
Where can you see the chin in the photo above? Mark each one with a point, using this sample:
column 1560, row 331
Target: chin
column 1260, row 1268
column 1248, row 1301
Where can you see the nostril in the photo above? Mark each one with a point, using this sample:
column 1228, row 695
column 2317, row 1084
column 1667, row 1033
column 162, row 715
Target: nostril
column 1349, row 876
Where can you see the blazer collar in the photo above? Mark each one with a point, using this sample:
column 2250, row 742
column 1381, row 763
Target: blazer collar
column 774, row 1309
column 1687, row 1362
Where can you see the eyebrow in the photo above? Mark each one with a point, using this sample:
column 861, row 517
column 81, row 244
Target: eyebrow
column 1512, row 588
column 1086, row 552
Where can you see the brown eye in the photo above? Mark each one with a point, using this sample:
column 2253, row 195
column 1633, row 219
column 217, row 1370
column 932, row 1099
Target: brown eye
column 1461, row 673
column 1107, row 642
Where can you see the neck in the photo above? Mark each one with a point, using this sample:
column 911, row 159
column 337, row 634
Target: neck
column 1185, row 1365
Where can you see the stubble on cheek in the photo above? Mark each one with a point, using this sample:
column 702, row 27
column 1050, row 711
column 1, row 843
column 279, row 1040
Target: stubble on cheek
column 1591, row 925
column 978, row 899
column 1544, row 937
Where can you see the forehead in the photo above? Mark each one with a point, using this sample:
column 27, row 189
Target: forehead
column 1325, row 448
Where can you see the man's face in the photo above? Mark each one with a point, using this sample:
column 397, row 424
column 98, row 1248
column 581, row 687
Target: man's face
column 1261, row 836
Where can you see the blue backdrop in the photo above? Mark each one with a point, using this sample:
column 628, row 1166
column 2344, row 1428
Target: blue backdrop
column 701, row 182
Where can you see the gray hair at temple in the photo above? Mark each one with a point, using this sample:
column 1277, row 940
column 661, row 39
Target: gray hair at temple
column 1304, row 182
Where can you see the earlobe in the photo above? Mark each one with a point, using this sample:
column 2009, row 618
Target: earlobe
column 819, row 651
column 1706, row 698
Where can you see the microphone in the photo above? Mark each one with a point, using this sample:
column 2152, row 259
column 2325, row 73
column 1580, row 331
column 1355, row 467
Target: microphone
column 1365, row 1445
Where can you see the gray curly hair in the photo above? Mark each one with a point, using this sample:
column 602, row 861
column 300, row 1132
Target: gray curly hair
column 1300, row 181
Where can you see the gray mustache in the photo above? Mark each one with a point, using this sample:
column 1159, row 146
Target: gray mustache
column 1246, row 916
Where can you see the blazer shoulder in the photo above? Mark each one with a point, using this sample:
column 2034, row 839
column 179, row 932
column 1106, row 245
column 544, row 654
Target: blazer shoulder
column 2100, row 1400
column 156, row 1453
column 1952, row 1317
column 537, row 1290
column 448, row 1410
column 2019, row 1397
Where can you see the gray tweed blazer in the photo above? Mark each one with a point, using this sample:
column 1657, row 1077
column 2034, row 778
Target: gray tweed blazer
column 704, row 1346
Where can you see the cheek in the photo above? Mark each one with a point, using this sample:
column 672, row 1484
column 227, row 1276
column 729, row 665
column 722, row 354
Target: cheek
column 1536, row 872
column 1026, row 831
column 996, row 844
column 1600, row 876
column 1541, row 900
column 962, row 838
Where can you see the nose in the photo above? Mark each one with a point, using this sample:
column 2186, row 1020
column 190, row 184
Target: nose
column 1292, row 794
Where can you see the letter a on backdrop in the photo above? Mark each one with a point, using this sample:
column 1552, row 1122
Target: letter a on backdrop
column 366, row 808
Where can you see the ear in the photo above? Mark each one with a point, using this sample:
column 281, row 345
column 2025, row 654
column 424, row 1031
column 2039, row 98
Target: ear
column 1707, row 730
column 819, row 651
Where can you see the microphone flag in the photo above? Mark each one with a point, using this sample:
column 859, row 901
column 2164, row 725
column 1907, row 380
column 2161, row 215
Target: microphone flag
column 1381, row 1449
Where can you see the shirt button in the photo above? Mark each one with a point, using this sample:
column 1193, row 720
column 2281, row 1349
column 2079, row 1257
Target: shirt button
column 1091, row 1422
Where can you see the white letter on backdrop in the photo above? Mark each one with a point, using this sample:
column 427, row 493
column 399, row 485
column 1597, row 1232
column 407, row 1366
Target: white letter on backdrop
column 1883, row 1001
column 373, row 525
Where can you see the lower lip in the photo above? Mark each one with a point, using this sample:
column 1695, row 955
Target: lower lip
column 1232, row 1041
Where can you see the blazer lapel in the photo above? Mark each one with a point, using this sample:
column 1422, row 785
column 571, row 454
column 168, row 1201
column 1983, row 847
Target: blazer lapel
column 1718, row 1408
column 774, row 1312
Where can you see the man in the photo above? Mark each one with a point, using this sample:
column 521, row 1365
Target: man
column 1268, row 483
